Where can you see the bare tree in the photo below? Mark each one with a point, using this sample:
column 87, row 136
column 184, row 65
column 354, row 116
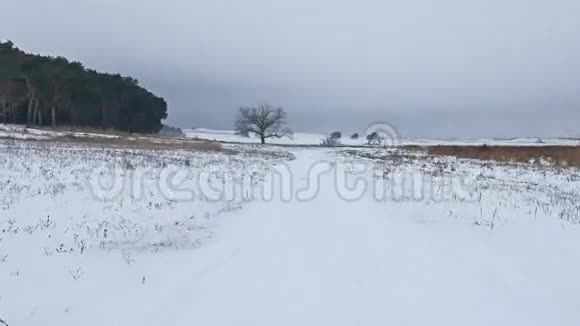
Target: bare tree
column 264, row 121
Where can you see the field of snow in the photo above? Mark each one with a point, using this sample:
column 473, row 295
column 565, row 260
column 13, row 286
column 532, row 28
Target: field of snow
column 91, row 235
column 21, row 132
column 304, row 138
column 297, row 139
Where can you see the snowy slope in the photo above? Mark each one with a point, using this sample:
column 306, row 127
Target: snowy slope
column 358, row 237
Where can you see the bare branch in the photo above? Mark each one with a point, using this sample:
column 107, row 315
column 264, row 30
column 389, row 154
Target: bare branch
column 263, row 121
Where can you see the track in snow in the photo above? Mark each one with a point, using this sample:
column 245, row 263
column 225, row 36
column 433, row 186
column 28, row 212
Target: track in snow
column 331, row 262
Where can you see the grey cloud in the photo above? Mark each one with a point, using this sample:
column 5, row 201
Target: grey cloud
column 433, row 68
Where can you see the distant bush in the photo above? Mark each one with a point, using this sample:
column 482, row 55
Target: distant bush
column 168, row 131
column 332, row 139
column 374, row 138
column 329, row 141
column 354, row 136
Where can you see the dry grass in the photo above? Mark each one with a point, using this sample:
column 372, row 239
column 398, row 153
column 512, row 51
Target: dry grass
column 83, row 130
column 140, row 143
column 559, row 155
column 147, row 143
column 68, row 135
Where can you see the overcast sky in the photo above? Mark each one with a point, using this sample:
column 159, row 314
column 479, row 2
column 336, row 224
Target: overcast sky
column 486, row 68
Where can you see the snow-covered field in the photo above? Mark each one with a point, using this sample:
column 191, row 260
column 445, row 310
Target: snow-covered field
column 21, row 132
column 91, row 235
column 304, row 138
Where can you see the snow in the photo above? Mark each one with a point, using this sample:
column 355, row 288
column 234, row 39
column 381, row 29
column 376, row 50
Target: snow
column 297, row 139
column 357, row 236
column 21, row 132
column 306, row 138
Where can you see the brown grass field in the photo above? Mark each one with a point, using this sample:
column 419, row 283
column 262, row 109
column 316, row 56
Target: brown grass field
column 139, row 143
column 559, row 155
column 147, row 143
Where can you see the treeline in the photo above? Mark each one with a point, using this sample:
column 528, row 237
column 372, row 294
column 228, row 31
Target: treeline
column 43, row 90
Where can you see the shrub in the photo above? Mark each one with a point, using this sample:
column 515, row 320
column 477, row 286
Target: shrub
column 168, row 131
column 329, row 141
column 374, row 138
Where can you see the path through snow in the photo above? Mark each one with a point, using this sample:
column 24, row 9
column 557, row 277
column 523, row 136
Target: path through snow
column 332, row 262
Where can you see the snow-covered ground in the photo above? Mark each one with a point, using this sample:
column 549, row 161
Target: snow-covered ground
column 283, row 236
column 305, row 138
column 297, row 139
column 22, row 132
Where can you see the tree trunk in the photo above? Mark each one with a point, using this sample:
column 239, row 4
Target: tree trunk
column 53, row 116
column 29, row 116
column 263, row 139
column 36, row 115
column 31, row 100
